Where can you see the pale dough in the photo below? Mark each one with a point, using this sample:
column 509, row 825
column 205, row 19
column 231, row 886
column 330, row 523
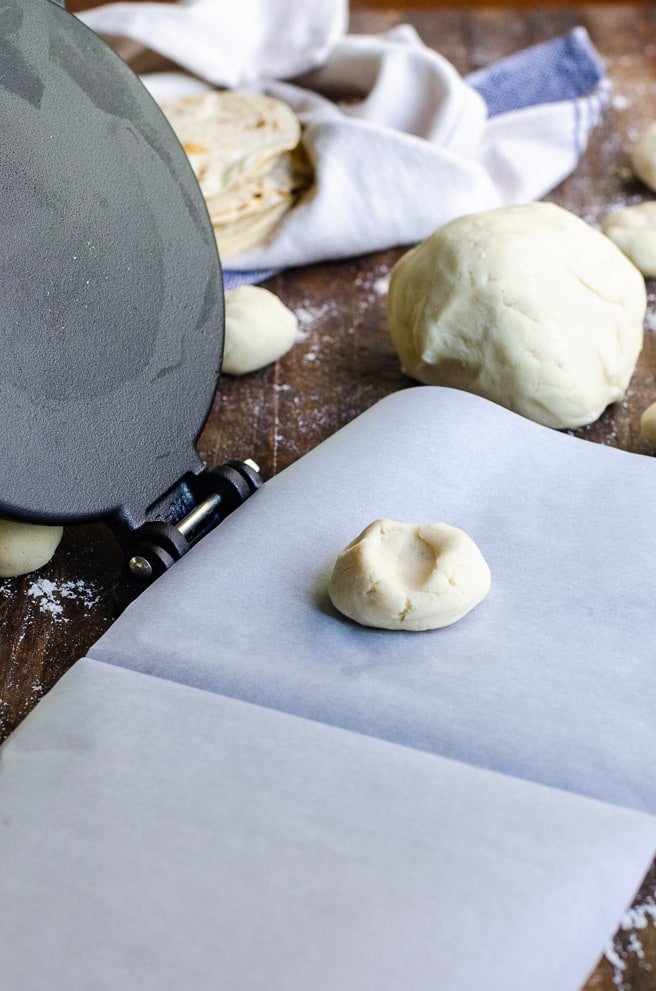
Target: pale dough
column 648, row 424
column 643, row 156
column 409, row 576
column 633, row 230
column 525, row 305
column 25, row 547
column 259, row 329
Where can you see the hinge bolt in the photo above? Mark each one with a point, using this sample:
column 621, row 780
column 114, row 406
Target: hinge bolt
column 140, row 567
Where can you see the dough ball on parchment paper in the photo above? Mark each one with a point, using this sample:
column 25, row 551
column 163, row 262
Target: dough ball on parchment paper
column 633, row 230
column 643, row 156
column 525, row 305
column 259, row 329
column 409, row 576
column 26, row 547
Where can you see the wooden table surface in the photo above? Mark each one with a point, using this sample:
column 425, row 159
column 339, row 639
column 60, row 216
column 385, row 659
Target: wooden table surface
column 345, row 363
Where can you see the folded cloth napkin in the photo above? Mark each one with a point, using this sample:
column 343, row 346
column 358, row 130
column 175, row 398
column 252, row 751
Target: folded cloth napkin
column 400, row 141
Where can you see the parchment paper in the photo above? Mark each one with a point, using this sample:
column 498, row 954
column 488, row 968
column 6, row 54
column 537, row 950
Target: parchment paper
column 552, row 678
column 157, row 838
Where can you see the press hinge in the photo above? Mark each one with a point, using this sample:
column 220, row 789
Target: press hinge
column 182, row 517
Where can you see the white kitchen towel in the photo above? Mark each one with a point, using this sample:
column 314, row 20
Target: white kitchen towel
column 400, row 141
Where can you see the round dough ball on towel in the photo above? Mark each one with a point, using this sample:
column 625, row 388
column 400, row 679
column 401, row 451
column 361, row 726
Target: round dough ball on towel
column 259, row 329
column 25, row 547
column 633, row 230
column 643, row 156
column 525, row 305
column 409, row 576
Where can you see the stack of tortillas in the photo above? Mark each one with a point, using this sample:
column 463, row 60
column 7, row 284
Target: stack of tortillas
column 247, row 154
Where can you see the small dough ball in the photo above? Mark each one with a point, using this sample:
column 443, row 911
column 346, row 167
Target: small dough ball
column 409, row 576
column 633, row 230
column 648, row 424
column 525, row 305
column 25, row 547
column 643, row 156
column 259, row 329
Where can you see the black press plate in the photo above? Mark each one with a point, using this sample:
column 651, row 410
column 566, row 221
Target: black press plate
column 111, row 300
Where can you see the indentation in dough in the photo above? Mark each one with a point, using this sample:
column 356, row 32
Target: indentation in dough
column 409, row 576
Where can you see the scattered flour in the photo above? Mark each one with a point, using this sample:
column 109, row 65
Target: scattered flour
column 49, row 596
column 381, row 285
column 374, row 284
column 636, row 919
column 621, row 102
column 308, row 315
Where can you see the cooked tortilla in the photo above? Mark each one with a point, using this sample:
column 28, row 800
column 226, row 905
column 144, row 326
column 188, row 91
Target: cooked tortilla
column 231, row 136
column 240, row 235
column 288, row 176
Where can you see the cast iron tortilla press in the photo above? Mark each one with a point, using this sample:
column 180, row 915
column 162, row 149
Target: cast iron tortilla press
column 111, row 322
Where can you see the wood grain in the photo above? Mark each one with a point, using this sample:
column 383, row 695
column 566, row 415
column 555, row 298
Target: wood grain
column 346, row 363
column 377, row 5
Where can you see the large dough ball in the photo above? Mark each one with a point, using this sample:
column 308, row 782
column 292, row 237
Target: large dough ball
column 643, row 156
column 409, row 576
column 25, row 547
column 259, row 329
column 525, row 305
